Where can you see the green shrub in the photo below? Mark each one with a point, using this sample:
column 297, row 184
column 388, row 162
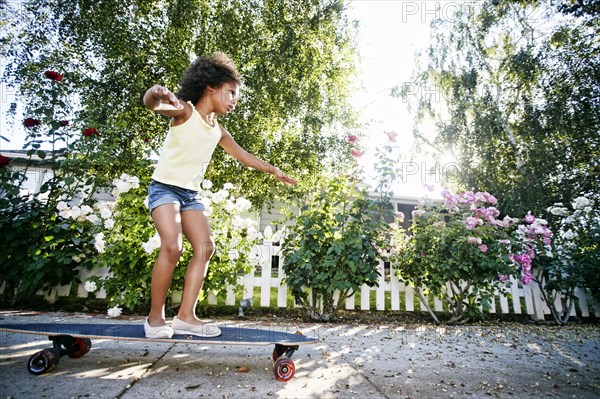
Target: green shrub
column 331, row 246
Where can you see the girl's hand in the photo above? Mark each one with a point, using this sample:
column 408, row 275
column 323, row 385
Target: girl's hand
column 166, row 97
column 285, row 179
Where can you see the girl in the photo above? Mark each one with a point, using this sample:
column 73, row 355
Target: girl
column 208, row 88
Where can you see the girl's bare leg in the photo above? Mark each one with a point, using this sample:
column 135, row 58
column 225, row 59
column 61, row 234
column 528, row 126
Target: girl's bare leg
column 196, row 229
column 167, row 219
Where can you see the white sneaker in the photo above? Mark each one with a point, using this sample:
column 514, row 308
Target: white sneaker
column 206, row 330
column 157, row 332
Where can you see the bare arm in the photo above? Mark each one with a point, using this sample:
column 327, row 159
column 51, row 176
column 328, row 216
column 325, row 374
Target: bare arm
column 162, row 101
column 234, row 149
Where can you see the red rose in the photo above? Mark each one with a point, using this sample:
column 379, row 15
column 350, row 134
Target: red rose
column 30, row 122
column 4, row 161
column 53, row 75
column 63, row 123
column 91, row 131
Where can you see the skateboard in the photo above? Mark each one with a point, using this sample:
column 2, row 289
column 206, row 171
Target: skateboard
column 74, row 340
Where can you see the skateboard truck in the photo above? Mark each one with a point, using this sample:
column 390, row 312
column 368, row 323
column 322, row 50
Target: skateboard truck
column 62, row 345
column 244, row 304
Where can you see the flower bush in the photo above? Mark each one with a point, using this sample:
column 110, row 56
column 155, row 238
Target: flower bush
column 332, row 247
column 127, row 244
column 461, row 251
column 234, row 235
column 40, row 249
column 575, row 257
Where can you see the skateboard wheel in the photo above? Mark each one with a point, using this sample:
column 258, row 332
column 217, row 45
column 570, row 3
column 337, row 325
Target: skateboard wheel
column 79, row 347
column 43, row 361
column 284, row 369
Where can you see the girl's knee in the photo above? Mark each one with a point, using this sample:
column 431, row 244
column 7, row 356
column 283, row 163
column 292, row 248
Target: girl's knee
column 208, row 250
column 173, row 250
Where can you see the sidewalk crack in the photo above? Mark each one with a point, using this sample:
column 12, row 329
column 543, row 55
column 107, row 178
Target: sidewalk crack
column 148, row 369
column 375, row 387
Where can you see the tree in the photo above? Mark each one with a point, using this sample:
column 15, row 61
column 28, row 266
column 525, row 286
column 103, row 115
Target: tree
column 521, row 85
column 81, row 68
column 296, row 58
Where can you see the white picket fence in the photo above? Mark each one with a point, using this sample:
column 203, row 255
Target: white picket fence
column 391, row 293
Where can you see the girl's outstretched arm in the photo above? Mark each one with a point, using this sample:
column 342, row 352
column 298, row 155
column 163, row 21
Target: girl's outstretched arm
column 234, row 149
column 162, row 101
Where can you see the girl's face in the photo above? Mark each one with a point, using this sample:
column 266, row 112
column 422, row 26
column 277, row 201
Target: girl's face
column 224, row 98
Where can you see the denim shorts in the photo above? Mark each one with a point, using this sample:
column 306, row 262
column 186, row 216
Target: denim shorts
column 160, row 194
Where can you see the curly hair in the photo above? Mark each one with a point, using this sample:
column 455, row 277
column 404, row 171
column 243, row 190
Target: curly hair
column 206, row 71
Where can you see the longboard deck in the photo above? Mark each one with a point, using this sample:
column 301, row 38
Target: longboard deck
column 130, row 332
column 74, row 340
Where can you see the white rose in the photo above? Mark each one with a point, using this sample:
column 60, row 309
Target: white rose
column 105, row 210
column 86, row 210
column 115, row 311
column 90, row 286
column 581, row 203
column 93, row 218
column 120, row 187
column 206, row 184
column 242, row 204
column 152, row 244
column 569, row 235
column 229, row 206
column 75, row 212
column 99, row 242
column 62, row 205
column 65, row 214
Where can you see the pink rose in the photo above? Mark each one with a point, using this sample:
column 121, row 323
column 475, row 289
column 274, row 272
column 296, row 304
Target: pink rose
column 529, row 218
column 392, row 136
column 356, row 153
column 352, row 138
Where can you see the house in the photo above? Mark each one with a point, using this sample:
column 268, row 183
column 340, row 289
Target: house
column 37, row 170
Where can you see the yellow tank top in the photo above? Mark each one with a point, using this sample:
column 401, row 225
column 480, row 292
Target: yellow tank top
column 186, row 152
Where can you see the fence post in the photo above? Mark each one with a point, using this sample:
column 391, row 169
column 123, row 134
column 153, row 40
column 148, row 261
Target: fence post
column 538, row 302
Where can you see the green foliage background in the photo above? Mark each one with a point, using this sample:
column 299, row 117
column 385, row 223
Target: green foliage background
column 517, row 99
column 297, row 59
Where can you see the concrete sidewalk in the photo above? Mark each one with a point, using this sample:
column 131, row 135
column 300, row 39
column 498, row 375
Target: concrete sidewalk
column 350, row 361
